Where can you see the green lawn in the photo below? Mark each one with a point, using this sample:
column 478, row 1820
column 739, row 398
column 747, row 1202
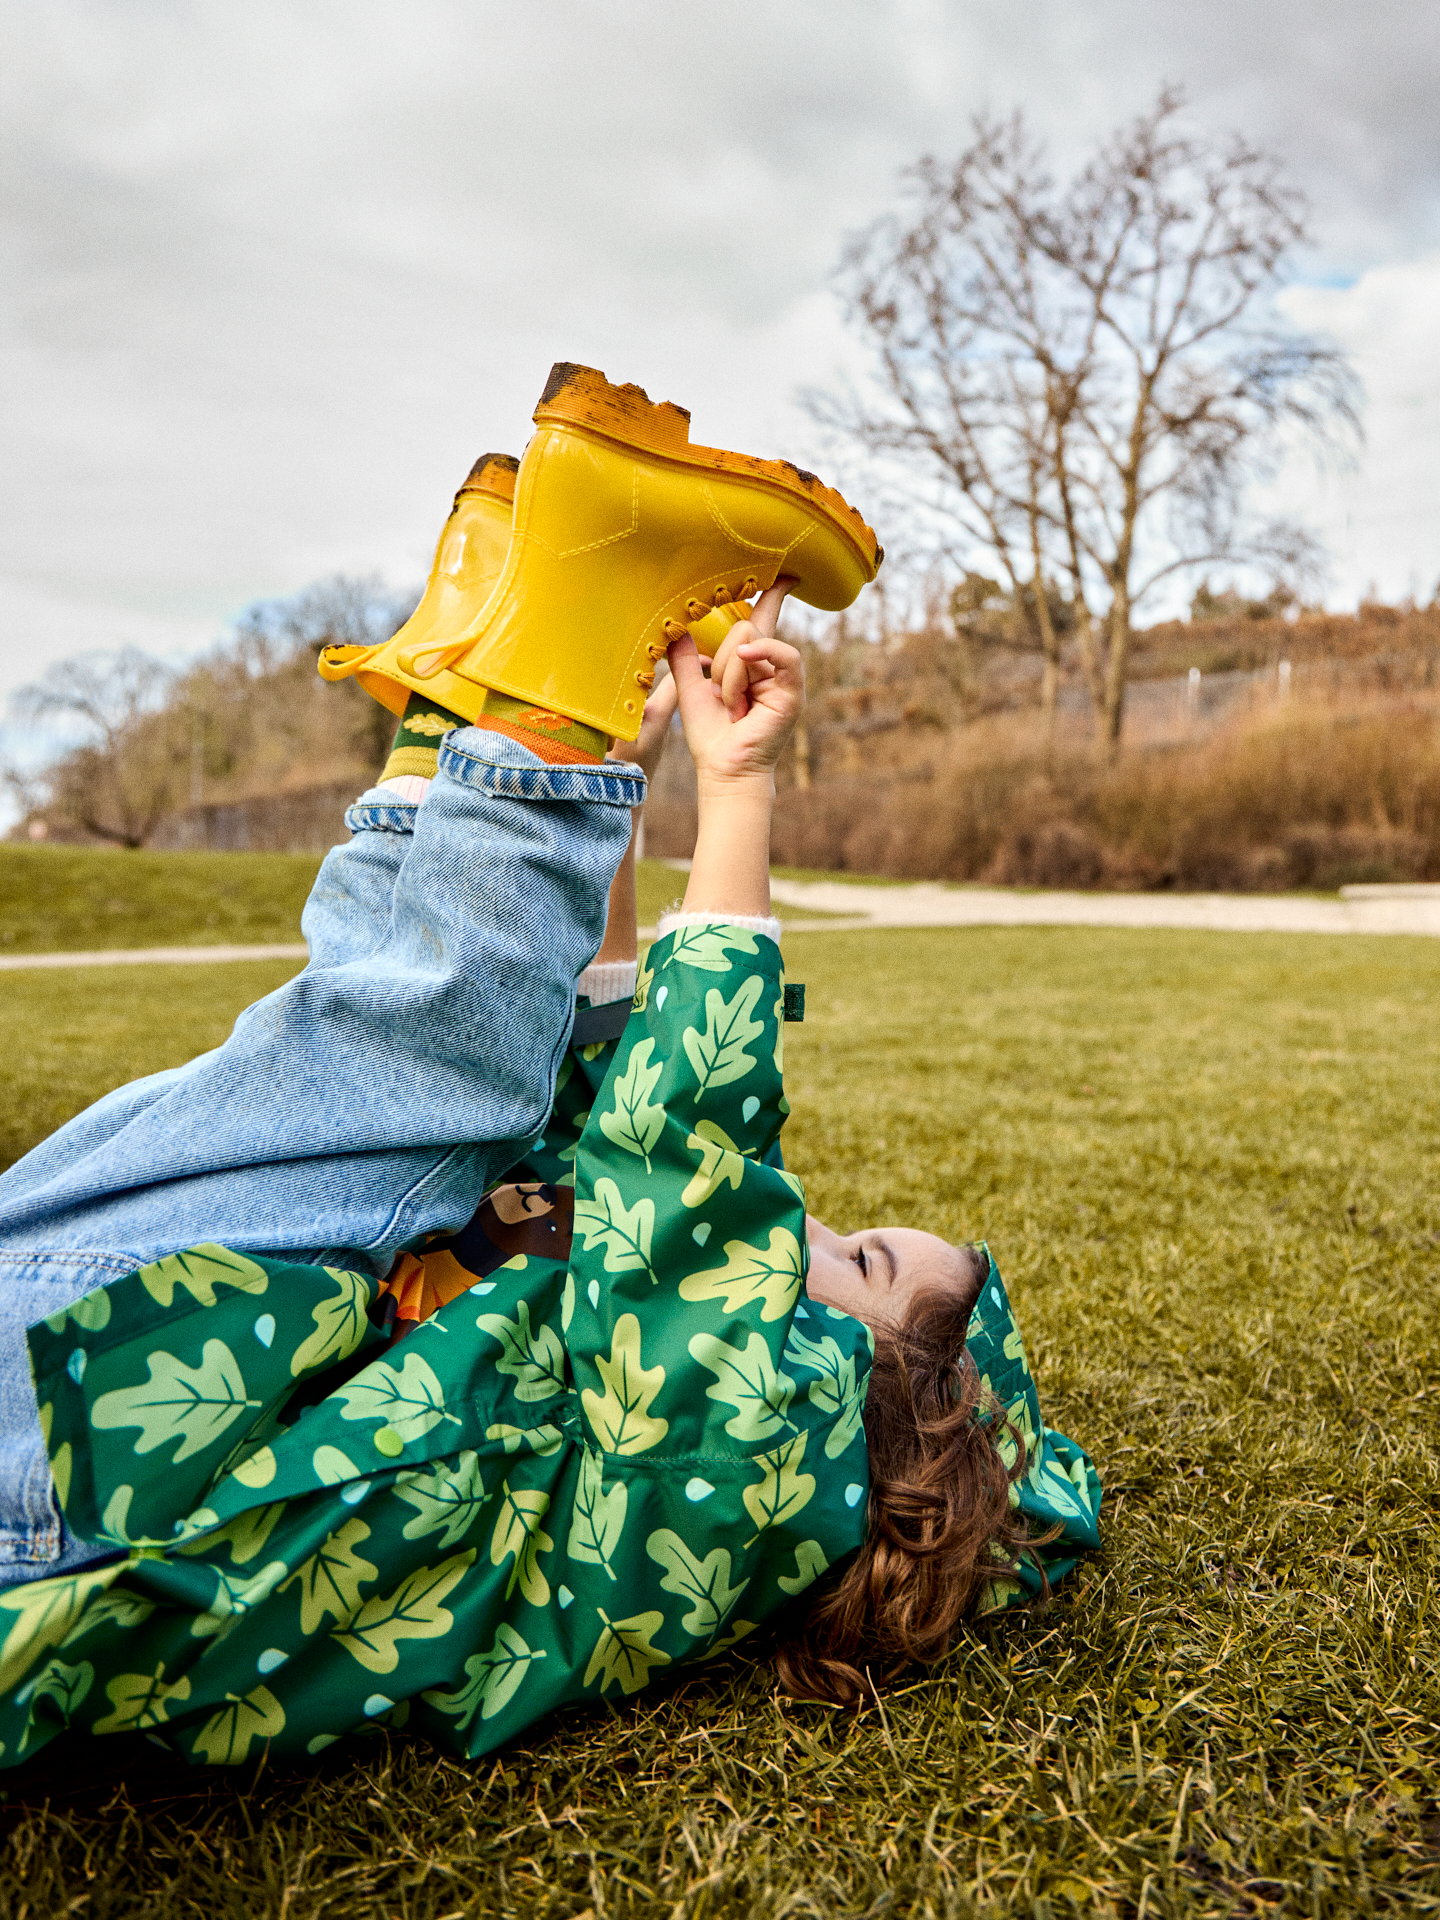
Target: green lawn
column 69, row 899
column 1207, row 1164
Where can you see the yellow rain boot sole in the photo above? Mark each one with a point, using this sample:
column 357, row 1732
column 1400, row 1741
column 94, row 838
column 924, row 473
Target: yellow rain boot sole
column 624, row 534
column 469, row 559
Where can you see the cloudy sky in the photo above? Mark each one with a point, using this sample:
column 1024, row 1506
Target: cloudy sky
column 274, row 273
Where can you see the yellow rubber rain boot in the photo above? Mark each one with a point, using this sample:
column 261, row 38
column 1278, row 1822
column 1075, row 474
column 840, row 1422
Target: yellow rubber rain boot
column 468, row 562
column 623, row 533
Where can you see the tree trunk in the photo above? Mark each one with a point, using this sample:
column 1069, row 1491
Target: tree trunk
column 1115, row 672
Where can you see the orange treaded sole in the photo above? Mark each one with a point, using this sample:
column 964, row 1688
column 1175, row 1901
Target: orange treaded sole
column 582, row 397
column 492, row 473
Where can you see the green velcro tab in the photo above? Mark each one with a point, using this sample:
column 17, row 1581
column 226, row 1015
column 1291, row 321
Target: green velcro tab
column 794, row 999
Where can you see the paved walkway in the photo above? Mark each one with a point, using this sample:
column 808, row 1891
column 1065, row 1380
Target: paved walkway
column 1377, row 909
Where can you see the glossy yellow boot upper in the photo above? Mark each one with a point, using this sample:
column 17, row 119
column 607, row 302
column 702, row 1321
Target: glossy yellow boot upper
column 623, row 533
column 468, row 562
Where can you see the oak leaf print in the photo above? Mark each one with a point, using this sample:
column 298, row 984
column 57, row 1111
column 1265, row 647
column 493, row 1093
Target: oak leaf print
column 518, row 1531
column 771, row 1275
column 782, row 1489
column 635, row 1123
column 331, row 1579
column 140, row 1700
column 492, row 1680
column 448, row 1500
column 625, row 1652
column 718, row 1054
column 720, row 1160
column 340, row 1324
column 705, row 948
column 624, row 1232
column 620, row 1418
column 748, row 1380
column 226, row 1738
column 532, row 1356
column 597, row 1518
column 412, row 1612
column 704, row 1583
column 199, row 1270
column 191, row 1405
column 411, row 1401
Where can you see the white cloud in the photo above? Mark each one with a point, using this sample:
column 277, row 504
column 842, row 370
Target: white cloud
column 1381, row 521
column 271, row 276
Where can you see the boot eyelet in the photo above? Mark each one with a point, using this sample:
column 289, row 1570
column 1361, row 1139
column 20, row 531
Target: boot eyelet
column 721, row 597
column 696, row 609
column 646, row 680
column 749, row 587
column 675, row 631
column 629, row 706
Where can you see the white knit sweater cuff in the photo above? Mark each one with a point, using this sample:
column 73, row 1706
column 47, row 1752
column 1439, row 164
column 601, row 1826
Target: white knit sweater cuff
column 601, row 985
column 751, row 922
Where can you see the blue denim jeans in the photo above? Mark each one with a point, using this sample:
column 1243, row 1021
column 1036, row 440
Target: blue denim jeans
column 368, row 1102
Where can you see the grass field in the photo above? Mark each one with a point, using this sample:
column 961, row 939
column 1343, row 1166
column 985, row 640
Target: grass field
column 1208, row 1167
column 73, row 899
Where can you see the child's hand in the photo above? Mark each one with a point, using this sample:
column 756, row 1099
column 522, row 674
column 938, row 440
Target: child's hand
column 737, row 722
column 649, row 749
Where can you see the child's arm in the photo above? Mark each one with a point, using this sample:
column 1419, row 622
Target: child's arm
column 620, row 941
column 736, row 725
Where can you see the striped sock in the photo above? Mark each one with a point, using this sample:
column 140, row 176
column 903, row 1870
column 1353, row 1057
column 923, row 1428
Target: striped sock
column 559, row 741
column 416, row 751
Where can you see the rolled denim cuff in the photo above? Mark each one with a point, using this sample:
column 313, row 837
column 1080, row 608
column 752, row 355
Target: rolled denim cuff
column 478, row 757
column 377, row 811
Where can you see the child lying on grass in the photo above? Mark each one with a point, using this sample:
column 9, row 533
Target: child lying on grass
column 334, row 1447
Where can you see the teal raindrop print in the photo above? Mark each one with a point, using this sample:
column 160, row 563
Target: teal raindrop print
column 749, row 1109
column 698, row 1489
column 265, row 1329
column 853, row 1495
column 272, row 1658
column 75, row 1365
column 701, row 1233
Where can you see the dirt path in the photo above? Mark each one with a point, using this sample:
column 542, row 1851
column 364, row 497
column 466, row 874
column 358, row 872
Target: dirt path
column 1414, row 910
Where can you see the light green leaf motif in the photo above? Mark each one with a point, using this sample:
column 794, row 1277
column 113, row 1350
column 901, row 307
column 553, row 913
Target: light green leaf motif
column 199, row 1270
column 244, row 1536
column 140, row 1700
column 782, row 1489
column 518, row 1531
column 412, row 1612
column 65, row 1686
column 236, row 1594
column 192, row 1405
column 331, row 1579
column 47, row 1613
column 90, row 1312
column 226, row 1738
column 620, row 1418
column 810, row 1563
column 748, row 1380
column 771, row 1275
column 625, row 1652
column 410, row 1402
column 543, row 1439
column 720, row 1160
column 704, row 948
column 624, row 1232
column 493, row 1681
column 597, row 1518
column 836, row 1392
column 447, row 1501
column 119, row 1611
column 634, row 1123
column 340, row 1324
column 704, row 1583
column 532, row 1356
column 718, row 1054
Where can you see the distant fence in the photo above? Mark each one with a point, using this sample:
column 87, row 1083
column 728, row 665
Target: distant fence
column 311, row 821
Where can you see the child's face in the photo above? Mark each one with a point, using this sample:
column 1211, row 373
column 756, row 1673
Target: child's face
column 876, row 1275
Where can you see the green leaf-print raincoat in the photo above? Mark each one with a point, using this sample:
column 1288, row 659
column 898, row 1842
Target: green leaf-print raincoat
column 576, row 1475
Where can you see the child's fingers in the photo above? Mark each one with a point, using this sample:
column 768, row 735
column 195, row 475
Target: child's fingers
column 660, row 707
column 767, row 607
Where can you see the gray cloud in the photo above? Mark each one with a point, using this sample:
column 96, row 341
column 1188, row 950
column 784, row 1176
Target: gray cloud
column 274, row 274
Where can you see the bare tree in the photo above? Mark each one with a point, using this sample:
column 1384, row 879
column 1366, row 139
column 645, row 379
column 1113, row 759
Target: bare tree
column 1085, row 381
column 120, row 782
